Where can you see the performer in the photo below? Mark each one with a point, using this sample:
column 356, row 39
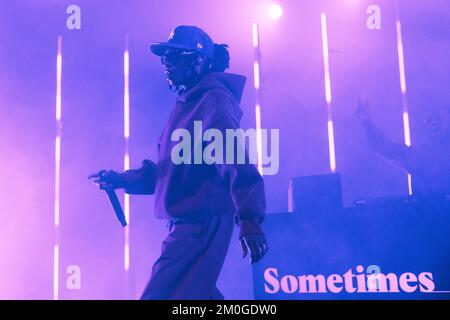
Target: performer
column 428, row 163
column 201, row 201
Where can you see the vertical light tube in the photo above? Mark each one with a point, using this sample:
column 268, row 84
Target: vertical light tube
column 56, row 272
column 326, row 62
column 57, row 178
column 406, row 130
column 401, row 58
column 410, row 192
column 126, row 162
column 326, row 68
column 255, row 35
column 57, row 170
column 402, row 74
column 256, row 76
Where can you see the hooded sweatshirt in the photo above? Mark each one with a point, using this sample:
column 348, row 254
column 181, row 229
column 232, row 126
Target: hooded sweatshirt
column 194, row 189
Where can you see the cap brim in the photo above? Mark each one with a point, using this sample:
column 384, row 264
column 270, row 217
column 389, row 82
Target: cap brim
column 159, row 48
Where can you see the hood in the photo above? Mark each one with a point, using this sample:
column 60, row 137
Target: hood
column 232, row 83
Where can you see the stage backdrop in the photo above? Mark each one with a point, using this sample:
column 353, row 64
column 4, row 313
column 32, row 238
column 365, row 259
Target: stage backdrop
column 363, row 64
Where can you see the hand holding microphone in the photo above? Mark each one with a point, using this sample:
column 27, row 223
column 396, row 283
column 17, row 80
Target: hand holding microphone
column 110, row 180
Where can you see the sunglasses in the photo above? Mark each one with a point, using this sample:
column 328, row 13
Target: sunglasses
column 175, row 57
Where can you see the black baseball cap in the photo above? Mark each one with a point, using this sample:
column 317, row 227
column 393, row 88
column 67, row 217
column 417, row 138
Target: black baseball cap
column 189, row 38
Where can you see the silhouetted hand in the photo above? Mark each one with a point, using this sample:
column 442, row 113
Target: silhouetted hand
column 256, row 244
column 362, row 111
column 108, row 179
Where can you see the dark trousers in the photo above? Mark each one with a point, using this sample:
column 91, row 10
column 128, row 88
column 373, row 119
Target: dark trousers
column 192, row 256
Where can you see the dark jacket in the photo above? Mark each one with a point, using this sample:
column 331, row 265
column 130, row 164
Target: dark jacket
column 194, row 191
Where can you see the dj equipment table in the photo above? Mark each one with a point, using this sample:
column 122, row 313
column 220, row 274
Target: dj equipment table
column 391, row 248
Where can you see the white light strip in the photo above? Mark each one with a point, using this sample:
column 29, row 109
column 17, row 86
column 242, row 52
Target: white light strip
column 401, row 65
column 406, row 128
column 258, row 137
column 57, row 178
column 255, row 34
column 401, row 59
column 410, row 192
column 55, row 272
column 58, row 80
column 402, row 73
column 326, row 64
column 126, row 96
column 326, row 67
column 57, row 170
column 126, row 164
column 256, row 74
column 126, row 116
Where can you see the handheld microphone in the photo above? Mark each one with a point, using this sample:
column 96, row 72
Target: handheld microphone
column 116, row 206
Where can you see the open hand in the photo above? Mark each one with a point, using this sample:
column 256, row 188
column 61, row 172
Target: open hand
column 362, row 111
column 256, row 244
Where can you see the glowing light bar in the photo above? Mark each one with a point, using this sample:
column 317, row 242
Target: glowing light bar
column 326, row 64
column 126, row 160
column 57, row 179
column 258, row 137
column 55, row 272
column 401, row 65
column 410, row 191
column 57, row 170
column 326, row 67
column 331, row 146
column 402, row 73
column 58, row 81
column 401, row 59
column 126, row 96
column 256, row 74
column 255, row 35
column 406, row 129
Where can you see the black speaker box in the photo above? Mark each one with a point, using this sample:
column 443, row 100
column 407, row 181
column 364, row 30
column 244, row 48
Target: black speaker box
column 315, row 193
